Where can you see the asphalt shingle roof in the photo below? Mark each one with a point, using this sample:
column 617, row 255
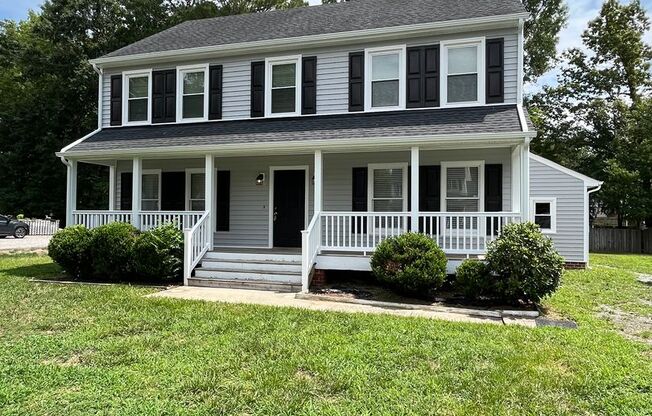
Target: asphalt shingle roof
column 487, row 119
column 315, row 20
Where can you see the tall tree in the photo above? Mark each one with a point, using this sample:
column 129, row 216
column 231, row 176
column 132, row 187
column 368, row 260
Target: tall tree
column 541, row 31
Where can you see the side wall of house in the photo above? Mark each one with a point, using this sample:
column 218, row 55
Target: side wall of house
column 548, row 182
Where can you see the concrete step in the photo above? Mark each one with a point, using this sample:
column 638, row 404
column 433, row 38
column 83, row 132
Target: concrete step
column 250, row 275
column 258, row 256
column 244, row 284
column 251, row 265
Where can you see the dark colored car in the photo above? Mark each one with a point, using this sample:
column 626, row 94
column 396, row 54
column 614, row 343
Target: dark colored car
column 11, row 226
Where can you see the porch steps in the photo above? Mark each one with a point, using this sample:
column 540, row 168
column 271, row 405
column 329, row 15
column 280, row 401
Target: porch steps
column 260, row 270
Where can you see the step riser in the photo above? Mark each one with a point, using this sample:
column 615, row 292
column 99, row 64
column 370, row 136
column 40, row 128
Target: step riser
column 244, row 285
column 244, row 257
column 244, row 276
column 244, row 266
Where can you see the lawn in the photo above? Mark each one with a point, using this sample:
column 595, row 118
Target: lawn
column 82, row 349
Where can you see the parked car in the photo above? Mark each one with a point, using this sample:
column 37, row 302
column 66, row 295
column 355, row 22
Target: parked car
column 11, row 226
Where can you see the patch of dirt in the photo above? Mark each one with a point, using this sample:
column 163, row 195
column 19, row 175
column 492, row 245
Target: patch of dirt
column 633, row 326
column 73, row 360
column 305, row 375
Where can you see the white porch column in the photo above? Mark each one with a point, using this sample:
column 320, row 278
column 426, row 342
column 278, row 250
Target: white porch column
column 112, row 171
column 136, row 191
column 318, row 201
column 516, row 178
column 209, row 190
column 414, row 188
column 71, row 191
column 525, row 180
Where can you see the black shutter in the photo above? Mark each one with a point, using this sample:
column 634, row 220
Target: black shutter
column 223, row 194
column 356, row 81
column 359, row 196
column 172, row 199
column 493, row 195
column 215, row 92
column 495, row 71
column 126, row 187
column 309, row 85
column 164, row 99
column 422, row 76
column 429, row 193
column 116, row 100
column 258, row 89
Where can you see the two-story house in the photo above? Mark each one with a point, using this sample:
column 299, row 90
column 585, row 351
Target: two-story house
column 292, row 141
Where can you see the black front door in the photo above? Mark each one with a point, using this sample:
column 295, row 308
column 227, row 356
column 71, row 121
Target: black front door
column 173, row 191
column 289, row 207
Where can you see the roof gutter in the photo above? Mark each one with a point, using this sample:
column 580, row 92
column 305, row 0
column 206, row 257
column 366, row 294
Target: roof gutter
column 326, row 39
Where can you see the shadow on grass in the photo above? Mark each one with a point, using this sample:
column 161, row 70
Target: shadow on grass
column 48, row 271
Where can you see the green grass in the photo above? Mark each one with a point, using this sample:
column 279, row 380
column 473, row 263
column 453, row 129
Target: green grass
column 79, row 349
column 631, row 262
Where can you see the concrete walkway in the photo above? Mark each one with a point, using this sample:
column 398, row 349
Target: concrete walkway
column 29, row 243
column 258, row 297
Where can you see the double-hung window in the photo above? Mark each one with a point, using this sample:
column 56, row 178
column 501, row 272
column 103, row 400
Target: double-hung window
column 543, row 211
column 388, row 187
column 137, row 87
column 385, row 78
column 463, row 189
column 193, row 93
column 195, row 189
column 151, row 190
column 462, row 75
column 283, row 95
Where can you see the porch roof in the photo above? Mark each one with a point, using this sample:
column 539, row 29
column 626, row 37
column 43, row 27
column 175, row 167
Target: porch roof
column 501, row 119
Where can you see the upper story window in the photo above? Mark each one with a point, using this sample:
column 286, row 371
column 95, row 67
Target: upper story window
column 193, row 94
column 385, row 78
column 137, row 87
column 283, row 94
column 462, row 75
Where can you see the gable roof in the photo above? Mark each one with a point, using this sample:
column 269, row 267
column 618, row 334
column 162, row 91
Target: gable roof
column 343, row 129
column 354, row 15
column 588, row 181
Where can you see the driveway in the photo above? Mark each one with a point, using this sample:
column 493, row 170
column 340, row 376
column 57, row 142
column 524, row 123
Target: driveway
column 29, row 243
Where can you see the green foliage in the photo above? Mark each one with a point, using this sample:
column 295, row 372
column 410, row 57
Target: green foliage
column 473, row 279
column 112, row 251
column 525, row 263
column 158, row 254
column 70, row 248
column 541, row 31
column 411, row 263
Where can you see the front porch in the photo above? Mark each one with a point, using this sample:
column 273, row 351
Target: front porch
column 331, row 208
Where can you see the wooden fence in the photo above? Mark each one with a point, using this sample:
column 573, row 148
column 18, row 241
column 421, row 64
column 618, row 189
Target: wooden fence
column 42, row 227
column 616, row 240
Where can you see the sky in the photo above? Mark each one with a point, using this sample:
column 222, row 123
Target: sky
column 581, row 11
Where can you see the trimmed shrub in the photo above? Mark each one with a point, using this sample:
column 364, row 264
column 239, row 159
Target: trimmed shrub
column 473, row 279
column 410, row 263
column 158, row 254
column 112, row 250
column 525, row 263
column 70, row 249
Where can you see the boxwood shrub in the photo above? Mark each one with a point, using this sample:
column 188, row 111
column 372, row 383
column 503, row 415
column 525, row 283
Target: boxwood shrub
column 411, row 263
column 70, row 249
column 473, row 279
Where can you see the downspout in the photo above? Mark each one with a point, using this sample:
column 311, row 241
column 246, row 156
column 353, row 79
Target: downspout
column 586, row 224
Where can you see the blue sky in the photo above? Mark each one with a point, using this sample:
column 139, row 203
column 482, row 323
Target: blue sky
column 581, row 11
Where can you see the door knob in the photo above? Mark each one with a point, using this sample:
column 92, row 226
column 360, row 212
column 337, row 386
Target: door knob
column 275, row 213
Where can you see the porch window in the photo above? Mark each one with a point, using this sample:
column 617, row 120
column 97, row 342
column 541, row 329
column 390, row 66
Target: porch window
column 195, row 184
column 385, row 78
column 193, row 93
column 543, row 211
column 463, row 77
column 283, row 95
column 388, row 185
column 151, row 184
column 463, row 186
column 137, row 108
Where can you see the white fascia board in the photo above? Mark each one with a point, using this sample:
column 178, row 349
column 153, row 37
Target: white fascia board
column 588, row 181
column 326, row 39
column 76, row 142
column 449, row 141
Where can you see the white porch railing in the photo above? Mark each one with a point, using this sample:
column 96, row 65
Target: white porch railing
column 310, row 241
column 93, row 219
column 455, row 233
column 196, row 242
column 182, row 219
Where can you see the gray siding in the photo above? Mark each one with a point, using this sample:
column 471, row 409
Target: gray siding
column 546, row 181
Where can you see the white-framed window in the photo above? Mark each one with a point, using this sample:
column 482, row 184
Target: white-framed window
column 150, row 199
column 282, row 85
column 195, row 190
column 136, row 93
column 385, row 78
column 543, row 212
column 192, row 96
column 387, row 184
column 462, row 185
column 462, row 73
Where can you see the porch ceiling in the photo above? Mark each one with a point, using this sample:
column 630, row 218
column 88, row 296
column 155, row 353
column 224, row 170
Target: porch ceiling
column 355, row 128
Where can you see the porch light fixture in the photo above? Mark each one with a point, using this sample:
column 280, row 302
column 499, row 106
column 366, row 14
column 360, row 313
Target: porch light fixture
column 260, row 179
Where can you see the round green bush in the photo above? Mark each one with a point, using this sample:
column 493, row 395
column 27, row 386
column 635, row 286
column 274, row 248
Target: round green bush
column 70, row 249
column 112, row 250
column 158, row 254
column 525, row 263
column 473, row 279
column 410, row 263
